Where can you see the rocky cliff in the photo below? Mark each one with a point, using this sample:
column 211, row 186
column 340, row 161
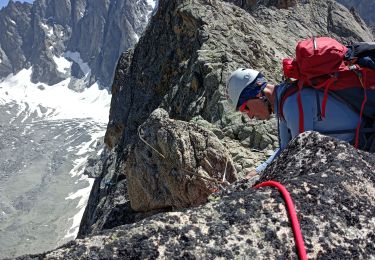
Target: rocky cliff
column 364, row 7
column 181, row 65
column 41, row 35
column 169, row 112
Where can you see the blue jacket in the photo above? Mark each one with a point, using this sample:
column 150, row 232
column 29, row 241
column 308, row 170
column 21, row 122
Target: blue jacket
column 339, row 116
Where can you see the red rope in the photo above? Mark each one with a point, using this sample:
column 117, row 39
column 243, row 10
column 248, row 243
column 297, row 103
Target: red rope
column 292, row 215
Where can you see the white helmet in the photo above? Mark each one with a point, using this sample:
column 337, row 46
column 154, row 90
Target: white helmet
column 238, row 81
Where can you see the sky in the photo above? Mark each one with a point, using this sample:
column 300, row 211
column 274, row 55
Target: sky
column 5, row 2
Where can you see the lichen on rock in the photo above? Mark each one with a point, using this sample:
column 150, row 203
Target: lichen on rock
column 175, row 164
column 331, row 184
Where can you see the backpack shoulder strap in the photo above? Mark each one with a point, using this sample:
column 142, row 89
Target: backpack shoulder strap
column 286, row 92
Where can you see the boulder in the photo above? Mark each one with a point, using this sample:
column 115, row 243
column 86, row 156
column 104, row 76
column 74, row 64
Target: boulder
column 175, row 164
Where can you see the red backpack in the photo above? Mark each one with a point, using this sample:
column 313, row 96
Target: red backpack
column 320, row 64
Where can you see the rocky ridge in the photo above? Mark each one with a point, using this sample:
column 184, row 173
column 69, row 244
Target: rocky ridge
column 42, row 33
column 198, row 44
column 333, row 197
column 180, row 65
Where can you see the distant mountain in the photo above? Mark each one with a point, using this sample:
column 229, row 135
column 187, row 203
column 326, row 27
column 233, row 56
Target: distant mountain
column 365, row 8
column 57, row 60
column 56, row 36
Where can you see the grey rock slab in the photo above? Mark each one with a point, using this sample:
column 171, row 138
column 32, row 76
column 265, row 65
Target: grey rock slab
column 331, row 184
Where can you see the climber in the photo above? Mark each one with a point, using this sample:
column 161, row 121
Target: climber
column 250, row 93
column 329, row 88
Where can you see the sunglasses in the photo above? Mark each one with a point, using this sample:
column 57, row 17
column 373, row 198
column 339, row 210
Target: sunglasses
column 244, row 108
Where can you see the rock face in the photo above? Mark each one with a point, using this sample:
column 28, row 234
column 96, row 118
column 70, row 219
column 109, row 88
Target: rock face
column 186, row 71
column 181, row 64
column 41, row 34
column 332, row 186
column 364, row 7
column 15, row 41
column 175, row 164
column 107, row 29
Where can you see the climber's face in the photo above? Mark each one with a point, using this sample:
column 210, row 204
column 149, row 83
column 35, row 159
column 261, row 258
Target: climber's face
column 256, row 108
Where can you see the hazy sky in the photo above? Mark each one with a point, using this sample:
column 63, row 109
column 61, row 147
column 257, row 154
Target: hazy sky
column 5, row 2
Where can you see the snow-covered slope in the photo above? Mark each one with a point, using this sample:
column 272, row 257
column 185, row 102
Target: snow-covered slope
column 39, row 35
column 57, row 60
column 46, row 136
column 53, row 102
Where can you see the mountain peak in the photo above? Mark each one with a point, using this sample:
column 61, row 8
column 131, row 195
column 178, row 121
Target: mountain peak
column 97, row 30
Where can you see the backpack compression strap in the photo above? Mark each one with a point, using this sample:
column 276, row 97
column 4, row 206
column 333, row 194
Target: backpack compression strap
column 326, row 82
column 361, row 74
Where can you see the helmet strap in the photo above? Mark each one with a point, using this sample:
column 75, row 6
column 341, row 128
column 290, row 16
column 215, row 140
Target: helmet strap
column 264, row 98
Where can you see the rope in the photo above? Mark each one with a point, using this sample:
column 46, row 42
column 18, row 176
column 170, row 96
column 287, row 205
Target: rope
column 298, row 238
column 143, row 140
column 200, row 176
column 223, row 182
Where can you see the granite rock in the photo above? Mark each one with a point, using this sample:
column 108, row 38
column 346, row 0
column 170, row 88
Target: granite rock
column 181, row 64
column 331, row 184
column 175, row 164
